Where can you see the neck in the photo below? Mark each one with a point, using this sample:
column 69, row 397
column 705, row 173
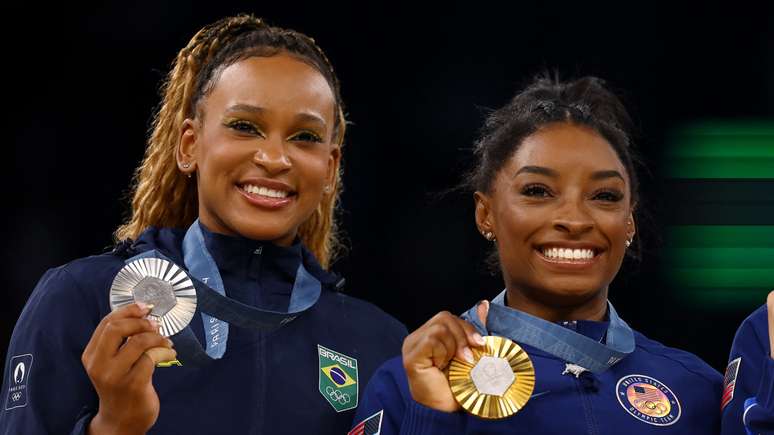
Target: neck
column 556, row 310
column 214, row 225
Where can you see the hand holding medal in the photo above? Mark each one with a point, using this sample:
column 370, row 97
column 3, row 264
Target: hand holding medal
column 428, row 351
column 120, row 371
column 151, row 299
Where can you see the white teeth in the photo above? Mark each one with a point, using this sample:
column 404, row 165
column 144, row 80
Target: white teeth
column 568, row 254
column 264, row 191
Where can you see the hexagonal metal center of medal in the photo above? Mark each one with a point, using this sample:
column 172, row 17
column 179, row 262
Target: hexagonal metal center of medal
column 158, row 292
column 492, row 375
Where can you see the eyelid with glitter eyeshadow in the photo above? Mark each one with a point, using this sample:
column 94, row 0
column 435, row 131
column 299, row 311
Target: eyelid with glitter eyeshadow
column 243, row 126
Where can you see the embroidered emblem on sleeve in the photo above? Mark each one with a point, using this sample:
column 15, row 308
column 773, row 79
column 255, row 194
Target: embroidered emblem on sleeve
column 19, row 373
column 370, row 426
column 729, row 382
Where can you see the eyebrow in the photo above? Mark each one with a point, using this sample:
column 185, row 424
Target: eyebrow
column 601, row 175
column 542, row 170
column 539, row 170
column 245, row 108
column 311, row 117
column 302, row 116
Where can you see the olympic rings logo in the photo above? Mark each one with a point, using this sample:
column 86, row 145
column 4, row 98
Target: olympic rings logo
column 16, row 396
column 651, row 407
column 342, row 398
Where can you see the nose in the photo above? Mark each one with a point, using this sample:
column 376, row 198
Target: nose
column 573, row 220
column 272, row 156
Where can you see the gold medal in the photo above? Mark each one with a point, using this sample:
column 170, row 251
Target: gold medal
column 499, row 382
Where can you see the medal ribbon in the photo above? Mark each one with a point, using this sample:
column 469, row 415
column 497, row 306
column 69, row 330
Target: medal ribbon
column 218, row 311
column 555, row 339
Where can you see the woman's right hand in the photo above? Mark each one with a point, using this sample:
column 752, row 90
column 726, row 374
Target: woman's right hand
column 429, row 349
column 120, row 359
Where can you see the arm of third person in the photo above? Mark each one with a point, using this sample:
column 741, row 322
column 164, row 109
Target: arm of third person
column 770, row 309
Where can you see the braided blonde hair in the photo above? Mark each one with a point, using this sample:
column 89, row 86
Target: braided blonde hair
column 161, row 195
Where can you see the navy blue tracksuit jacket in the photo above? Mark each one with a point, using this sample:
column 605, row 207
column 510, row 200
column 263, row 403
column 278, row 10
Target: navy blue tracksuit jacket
column 654, row 390
column 276, row 382
column 748, row 393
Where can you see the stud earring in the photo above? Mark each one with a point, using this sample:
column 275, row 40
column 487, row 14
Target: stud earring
column 186, row 165
column 489, row 236
column 327, row 188
column 629, row 243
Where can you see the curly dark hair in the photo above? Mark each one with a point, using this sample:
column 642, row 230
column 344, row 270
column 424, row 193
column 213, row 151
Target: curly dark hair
column 547, row 100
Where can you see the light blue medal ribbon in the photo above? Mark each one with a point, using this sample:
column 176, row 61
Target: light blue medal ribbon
column 202, row 266
column 555, row 339
column 219, row 311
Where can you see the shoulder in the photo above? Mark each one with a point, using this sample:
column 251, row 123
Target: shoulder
column 690, row 364
column 64, row 308
column 90, row 269
column 365, row 314
column 77, row 280
column 81, row 287
column 751, row 345
column 754, row 329
column 78, row 289
column 390, row 378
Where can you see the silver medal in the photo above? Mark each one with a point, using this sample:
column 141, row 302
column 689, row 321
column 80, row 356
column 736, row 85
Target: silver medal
column 161, row 283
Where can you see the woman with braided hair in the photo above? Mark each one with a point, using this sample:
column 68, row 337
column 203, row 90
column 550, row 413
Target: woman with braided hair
column 238, row 188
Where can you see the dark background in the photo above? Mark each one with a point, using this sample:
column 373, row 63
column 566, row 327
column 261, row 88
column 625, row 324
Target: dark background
column 81, row 83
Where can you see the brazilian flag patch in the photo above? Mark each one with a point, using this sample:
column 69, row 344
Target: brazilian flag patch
column 338, row 379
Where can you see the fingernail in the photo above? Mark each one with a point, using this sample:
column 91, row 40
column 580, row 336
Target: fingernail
column 170, row 343
column 143, row 306
column 154, row 324
column 468, row 355
column 479, row 339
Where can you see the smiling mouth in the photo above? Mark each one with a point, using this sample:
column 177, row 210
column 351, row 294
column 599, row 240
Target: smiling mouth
column 555, row 254
column 262, row 191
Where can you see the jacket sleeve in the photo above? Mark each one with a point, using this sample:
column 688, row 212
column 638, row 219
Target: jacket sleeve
column 388, row 409
column 749, row 408
column 45, row 387
column 758, row 415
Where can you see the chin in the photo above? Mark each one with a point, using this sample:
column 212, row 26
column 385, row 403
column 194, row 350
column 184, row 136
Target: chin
column 262, row 230
column 570, row 292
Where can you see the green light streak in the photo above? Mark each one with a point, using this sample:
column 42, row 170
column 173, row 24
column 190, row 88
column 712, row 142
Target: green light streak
column 721, row 236
column 722, row 258
column 722, row 149
column 711, row 277
column 725, row 298
column 720, row 266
